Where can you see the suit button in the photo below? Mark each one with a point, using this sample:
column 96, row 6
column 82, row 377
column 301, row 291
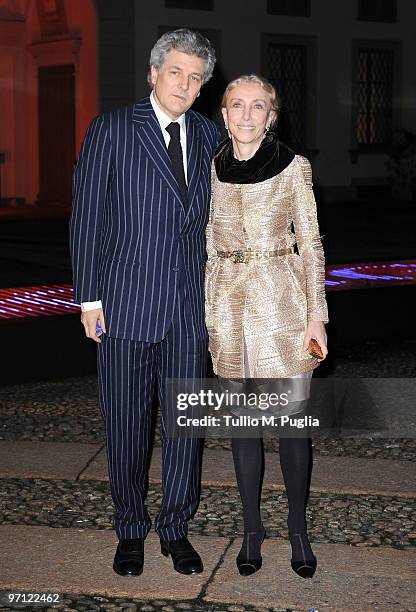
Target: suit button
column 176, row 269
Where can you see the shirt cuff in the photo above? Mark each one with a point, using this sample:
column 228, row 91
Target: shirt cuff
column 90, row 305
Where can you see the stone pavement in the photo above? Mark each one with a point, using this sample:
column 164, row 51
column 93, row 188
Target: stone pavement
column 56, row 534
column 68, row 461
column 38, row 559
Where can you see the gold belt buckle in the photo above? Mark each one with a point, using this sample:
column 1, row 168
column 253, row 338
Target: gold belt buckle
column 238, row 257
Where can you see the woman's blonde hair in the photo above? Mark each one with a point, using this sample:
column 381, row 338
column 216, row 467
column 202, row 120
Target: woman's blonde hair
column 264, row 83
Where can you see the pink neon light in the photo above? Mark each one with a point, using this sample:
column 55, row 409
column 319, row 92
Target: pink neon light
column 56, row 300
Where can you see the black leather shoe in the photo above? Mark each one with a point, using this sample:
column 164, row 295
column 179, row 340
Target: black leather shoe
column 129, row 557
column 305, row 563
column 249, row 559
column 184, row 556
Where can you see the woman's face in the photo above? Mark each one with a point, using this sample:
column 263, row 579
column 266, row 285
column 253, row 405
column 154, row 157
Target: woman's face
column 248, row 112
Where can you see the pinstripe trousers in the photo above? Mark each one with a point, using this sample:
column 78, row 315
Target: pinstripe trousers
column 128, row 371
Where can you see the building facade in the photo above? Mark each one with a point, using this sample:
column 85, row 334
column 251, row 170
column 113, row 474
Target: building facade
column 345, row 72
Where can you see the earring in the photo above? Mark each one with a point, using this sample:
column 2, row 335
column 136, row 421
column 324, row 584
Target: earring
column 229, row 133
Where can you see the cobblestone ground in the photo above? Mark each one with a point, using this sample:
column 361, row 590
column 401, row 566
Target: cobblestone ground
column 67, row 411
column 82, row 602
column 370, row 520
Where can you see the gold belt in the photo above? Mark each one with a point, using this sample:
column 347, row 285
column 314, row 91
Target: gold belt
column 246, row 256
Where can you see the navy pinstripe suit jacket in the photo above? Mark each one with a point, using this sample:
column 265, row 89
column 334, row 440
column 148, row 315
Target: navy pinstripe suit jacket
column 130, row 237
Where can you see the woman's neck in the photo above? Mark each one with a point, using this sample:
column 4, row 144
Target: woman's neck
column 244, row 150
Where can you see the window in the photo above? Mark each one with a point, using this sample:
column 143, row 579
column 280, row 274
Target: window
column 374, row 96
column 293, row 8
column 287, row 63
column 199, row 5
column 377, row 10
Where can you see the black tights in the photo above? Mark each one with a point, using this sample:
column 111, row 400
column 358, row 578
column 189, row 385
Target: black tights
column 295, row 461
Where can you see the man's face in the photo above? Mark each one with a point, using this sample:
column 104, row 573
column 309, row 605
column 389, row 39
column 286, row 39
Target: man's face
column 178, row 82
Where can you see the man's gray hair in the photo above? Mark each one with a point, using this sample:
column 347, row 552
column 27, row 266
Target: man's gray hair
column 186, row 41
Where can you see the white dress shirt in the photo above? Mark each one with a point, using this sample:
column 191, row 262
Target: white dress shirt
column 164, row 121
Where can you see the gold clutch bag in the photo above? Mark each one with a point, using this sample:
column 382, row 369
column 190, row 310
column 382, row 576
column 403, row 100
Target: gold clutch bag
column 314, row 349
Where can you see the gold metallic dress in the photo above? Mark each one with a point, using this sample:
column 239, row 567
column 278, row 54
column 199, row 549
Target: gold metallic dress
column 257, row 311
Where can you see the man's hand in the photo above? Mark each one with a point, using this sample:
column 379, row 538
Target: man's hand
column 91, row 319
column 316, row 329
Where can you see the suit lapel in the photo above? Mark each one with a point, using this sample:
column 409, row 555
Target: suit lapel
column 150, row 135
column 193, row 154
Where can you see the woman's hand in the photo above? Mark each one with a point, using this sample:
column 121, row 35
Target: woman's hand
column 316, row 329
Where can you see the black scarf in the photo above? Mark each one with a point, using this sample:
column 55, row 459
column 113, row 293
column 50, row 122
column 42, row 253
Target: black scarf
column 270, row 159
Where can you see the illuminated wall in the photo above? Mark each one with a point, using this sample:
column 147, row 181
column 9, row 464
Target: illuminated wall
column 33, row 35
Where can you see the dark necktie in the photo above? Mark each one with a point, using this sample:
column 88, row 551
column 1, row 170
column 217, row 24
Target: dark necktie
column 176, row 157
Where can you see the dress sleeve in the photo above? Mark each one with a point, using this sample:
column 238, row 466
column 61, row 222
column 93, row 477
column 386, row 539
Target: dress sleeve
column 308, row 240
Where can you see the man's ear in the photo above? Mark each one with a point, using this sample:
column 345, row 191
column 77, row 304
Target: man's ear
column 153, row 73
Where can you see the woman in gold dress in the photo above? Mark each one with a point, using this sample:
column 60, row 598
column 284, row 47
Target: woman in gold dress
column 264, row 301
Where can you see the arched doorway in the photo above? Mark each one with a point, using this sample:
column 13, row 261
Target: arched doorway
column 48, row 72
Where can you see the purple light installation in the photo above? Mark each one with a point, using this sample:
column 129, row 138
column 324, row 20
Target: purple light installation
column 55, row 300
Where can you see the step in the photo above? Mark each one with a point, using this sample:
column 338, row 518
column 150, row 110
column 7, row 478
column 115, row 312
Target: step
column 60, row 560
column 54, row 460
column 70, row 461
column 39, row 559
column 348, row 578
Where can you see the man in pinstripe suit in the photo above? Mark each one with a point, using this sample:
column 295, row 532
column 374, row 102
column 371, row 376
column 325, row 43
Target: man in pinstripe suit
column 137, row 234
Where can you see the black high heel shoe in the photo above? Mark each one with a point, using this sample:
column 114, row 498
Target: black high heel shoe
column 249, row 559
column 306, row 566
